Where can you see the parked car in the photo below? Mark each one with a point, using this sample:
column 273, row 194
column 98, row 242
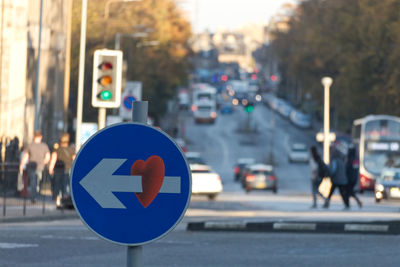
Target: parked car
column 300, row 119
column 260, row 176
column 284, row 108
column 387, row 186
column 239, row 166
column 205, row 181
column 299, row 153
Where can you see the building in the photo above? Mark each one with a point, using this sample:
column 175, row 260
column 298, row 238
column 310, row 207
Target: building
column 19, row 46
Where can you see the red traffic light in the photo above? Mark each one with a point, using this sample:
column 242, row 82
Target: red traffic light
column 106, row 66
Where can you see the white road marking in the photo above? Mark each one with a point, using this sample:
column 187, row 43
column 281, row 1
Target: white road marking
column 16, row 245
column 295, row 226
column 366, row 227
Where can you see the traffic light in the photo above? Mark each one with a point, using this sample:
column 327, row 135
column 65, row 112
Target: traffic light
column 107, row 74
column 249, row 107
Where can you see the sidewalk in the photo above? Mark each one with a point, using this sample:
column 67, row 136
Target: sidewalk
column 39, row 211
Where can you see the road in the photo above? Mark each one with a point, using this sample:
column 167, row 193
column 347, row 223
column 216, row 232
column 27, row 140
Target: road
column 70, row 243
column 224, row 142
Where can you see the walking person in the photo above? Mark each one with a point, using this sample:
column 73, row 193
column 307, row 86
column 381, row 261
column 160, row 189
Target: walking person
column 317, row 174
column 352, row 173
column 60, row 166
column 338, row 179
column 35, row 158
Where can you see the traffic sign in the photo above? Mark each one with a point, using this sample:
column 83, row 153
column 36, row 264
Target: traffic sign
column 130, row 183
column 133, row 92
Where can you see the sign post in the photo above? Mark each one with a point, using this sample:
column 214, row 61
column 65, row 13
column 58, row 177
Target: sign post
column 139, row 114
column 131, row 184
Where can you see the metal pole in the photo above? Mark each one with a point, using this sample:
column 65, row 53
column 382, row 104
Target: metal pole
column 81, row 76
column 67, row 65
column 37, row 93
column 140, row 111
column 134, row 258
column 139, row 114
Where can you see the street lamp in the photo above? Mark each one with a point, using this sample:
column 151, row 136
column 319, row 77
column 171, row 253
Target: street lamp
column 326, row 82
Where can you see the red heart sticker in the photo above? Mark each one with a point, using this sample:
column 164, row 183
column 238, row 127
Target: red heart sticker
column 152, row 172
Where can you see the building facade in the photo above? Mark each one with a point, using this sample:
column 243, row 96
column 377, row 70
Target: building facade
column 19, row 47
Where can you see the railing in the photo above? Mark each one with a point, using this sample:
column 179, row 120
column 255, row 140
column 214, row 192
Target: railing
column 15, row 199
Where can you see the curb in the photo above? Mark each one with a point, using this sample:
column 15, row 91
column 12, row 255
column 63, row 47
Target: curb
column 356, row 227
column 39, row 218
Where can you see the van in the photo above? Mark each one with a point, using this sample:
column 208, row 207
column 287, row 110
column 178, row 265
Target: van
column 204, row 111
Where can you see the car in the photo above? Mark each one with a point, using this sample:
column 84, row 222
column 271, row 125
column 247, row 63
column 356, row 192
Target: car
column 300, row 119
column 205, row 181
column 204, row 112
column 299, row 153
column 193, row 157
column 260, row 176
column 227, row 108
column 181, row 143
column 284, row 108
column 387, row 186
column 239, row 166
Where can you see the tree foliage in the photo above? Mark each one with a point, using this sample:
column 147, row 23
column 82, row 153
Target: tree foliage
column 161, row 67
column 356, row 42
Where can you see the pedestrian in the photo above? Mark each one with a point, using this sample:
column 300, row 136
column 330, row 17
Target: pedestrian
column 317, row 168
column 338, row 178
column 352, row 173
column 60, row 167
column 35, row 158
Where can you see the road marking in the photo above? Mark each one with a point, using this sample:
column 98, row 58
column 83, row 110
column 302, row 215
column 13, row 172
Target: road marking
column 295, row 226
column 366, row 227
column 70, row 237
column 15, row 245
column 224, row 225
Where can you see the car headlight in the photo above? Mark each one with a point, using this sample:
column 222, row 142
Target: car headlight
column 379, row 187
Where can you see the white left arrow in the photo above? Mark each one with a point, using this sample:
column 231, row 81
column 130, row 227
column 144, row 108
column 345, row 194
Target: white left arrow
column 100, row 183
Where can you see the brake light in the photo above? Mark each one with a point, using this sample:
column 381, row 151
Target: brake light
column 236, row 170
column 272, row 177
column 366, row 181
column 250, row 178
column 194, row 108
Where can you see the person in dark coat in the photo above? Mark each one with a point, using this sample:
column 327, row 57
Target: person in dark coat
column 338, row 178
column 352, row 173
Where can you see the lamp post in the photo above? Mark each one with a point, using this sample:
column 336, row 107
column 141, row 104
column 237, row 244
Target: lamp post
column 326, row 82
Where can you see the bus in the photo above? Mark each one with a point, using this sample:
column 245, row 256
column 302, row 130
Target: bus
column 377, row 140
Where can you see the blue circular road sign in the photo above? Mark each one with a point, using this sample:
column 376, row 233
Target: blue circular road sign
column 130, row 183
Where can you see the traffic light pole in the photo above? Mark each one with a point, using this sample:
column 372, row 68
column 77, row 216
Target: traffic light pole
column 139, row 114
column 102, row 118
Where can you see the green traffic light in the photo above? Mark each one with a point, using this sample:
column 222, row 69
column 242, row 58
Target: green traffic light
column 105, row 95
column 249, row 108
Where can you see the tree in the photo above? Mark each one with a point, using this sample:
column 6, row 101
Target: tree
column 353, row 41
column 160, row 68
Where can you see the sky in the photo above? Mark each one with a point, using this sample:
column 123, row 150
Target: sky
column 229, row 14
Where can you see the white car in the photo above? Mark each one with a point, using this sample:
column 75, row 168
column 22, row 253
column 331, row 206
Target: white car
column 205, row 181
column 299, row 153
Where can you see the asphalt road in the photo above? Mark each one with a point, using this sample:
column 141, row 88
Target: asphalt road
column 69, row 243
